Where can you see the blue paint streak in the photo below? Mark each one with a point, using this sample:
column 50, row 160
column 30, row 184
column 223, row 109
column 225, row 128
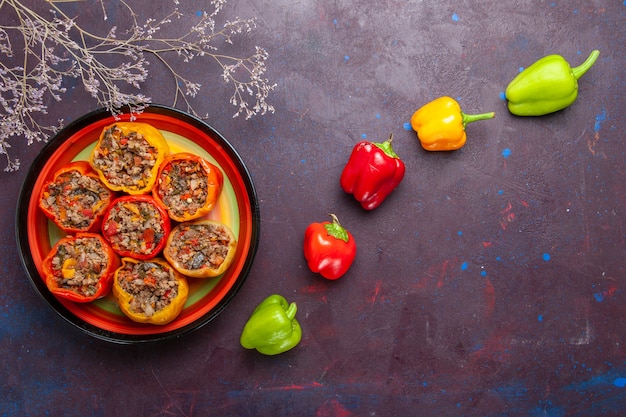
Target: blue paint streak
column 599, row 296
column 506, row 152
column 407, row 126
column 502, row 95
column 620, row 382
column 599, row 119
column 610, row 378
column 464, row 266
column 540, row 318
column 547, row 409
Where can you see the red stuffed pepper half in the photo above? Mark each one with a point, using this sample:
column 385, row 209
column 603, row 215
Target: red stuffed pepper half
column 136, row 226
column 80, row 268
column 75, row 199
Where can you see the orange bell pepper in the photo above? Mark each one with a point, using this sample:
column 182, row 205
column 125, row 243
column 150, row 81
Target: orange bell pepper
column 440, row 124
column 144, row 291
column 188, row 186
column 128, row 155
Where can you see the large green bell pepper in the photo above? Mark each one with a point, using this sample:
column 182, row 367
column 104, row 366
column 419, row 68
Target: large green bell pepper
column 548, row 85
column 272, row 327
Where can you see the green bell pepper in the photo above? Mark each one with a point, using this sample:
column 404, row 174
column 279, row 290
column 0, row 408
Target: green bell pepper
column 548, row 85
column 272, row 327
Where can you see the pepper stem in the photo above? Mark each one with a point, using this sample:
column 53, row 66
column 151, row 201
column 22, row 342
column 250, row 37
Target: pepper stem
column 580, row 70
column 336, row 230
column 291, row 310
column 469, row 118
column 387, row 148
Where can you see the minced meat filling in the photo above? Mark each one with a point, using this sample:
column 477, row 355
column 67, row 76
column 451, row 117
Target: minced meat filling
column 134, row 226
column 151, row 285
column 183, row 187
column 198, row 246
column 125, row 160
column 78, row 264
column 75, row 199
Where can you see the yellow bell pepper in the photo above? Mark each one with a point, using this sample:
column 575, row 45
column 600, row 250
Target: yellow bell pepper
column 440, row 124
column 128, row 155
column 201, row 248
column 144, row 296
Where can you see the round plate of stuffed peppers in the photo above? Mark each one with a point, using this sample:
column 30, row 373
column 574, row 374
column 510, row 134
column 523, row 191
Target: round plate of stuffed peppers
column 236, row 207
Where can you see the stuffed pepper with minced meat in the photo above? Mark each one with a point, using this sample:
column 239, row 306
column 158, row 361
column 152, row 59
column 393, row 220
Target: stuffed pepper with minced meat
column 188, row 186
column 128, row 155
column 80, row 268
column 136, row 226
column 75, row 199
column 201, row 249
column 149, row 291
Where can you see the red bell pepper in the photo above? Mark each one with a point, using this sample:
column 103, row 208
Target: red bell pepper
column 329, row 248
column 373, row 171
column 80, row 268
column 75, row 199
column 136, row 226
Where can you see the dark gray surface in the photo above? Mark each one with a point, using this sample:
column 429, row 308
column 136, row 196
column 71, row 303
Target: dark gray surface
column 490, row 283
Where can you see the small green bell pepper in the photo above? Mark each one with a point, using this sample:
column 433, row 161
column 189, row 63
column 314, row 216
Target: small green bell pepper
column 272, row 327
column 548, row 85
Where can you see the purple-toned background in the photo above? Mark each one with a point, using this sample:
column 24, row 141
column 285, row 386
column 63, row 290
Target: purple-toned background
column 490, row 283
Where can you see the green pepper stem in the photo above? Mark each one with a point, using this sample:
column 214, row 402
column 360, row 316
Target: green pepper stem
column 387, row 148
column 291, row 310
column 336, row 230
column 580, row 70
column 469, row 118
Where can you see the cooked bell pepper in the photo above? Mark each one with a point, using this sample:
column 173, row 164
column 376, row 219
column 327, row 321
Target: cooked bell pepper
column 548, row 85
column 75, row 199
column 137, row 226
column 201, row 249
column 440, row 124
column 80, row 268
column 329, row 248
column 149, row 291
column 128, row 155
column 272, row 327
column 373, row 171
column 188, row 186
